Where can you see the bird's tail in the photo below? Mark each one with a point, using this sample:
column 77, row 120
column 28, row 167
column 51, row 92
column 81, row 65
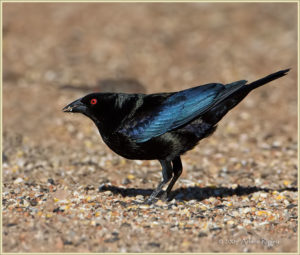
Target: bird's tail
column 266, row 79
column 217, row 112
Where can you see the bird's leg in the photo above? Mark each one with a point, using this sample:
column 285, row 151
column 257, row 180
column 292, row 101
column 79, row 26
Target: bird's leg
column 177, row 170
column 167, row 175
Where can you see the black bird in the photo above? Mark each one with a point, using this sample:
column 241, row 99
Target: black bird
column 163, row 126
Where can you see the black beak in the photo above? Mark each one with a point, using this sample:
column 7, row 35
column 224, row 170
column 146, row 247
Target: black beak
column 76, row 106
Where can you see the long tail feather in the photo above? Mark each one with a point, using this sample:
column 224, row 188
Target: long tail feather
column 267, row 79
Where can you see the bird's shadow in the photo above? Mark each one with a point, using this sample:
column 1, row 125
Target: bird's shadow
column 193, row 193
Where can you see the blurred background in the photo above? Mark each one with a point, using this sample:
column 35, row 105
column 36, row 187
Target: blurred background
column 54, row 53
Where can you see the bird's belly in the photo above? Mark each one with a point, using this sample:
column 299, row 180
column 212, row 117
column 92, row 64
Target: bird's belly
column 156, row 148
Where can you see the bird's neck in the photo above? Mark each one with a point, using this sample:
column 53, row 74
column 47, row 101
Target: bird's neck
column 116, row 108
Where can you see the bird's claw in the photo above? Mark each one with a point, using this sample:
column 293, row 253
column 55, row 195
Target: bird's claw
column 152, row 199
column 165, row 197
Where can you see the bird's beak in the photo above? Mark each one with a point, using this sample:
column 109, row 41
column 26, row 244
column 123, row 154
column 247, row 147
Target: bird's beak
column 76, row 106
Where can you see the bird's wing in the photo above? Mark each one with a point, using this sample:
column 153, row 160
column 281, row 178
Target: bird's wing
column 175, row 111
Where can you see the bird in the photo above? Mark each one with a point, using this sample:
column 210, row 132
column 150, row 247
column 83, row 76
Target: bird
column 163, row 126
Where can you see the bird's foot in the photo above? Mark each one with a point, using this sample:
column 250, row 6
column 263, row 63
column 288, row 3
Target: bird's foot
column 165, row 197
column 154, row 197
column 151, row 200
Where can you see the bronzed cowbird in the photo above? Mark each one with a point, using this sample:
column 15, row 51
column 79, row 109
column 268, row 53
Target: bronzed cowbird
column 163, row 126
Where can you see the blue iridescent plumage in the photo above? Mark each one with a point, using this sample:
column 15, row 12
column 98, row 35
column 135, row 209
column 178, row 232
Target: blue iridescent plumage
column 179, row 109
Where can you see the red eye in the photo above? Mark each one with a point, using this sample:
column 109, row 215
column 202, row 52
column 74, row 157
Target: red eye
column 94, row 101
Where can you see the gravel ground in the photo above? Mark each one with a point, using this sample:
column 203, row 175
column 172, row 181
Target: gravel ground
column 64, row 191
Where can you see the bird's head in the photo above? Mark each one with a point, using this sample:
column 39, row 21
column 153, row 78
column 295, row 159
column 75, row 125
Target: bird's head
column 88, row 105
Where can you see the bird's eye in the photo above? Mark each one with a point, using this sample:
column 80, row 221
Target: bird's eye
column 94, row 101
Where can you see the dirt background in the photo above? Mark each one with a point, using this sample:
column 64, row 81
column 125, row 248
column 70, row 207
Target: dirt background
column 238, row 191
